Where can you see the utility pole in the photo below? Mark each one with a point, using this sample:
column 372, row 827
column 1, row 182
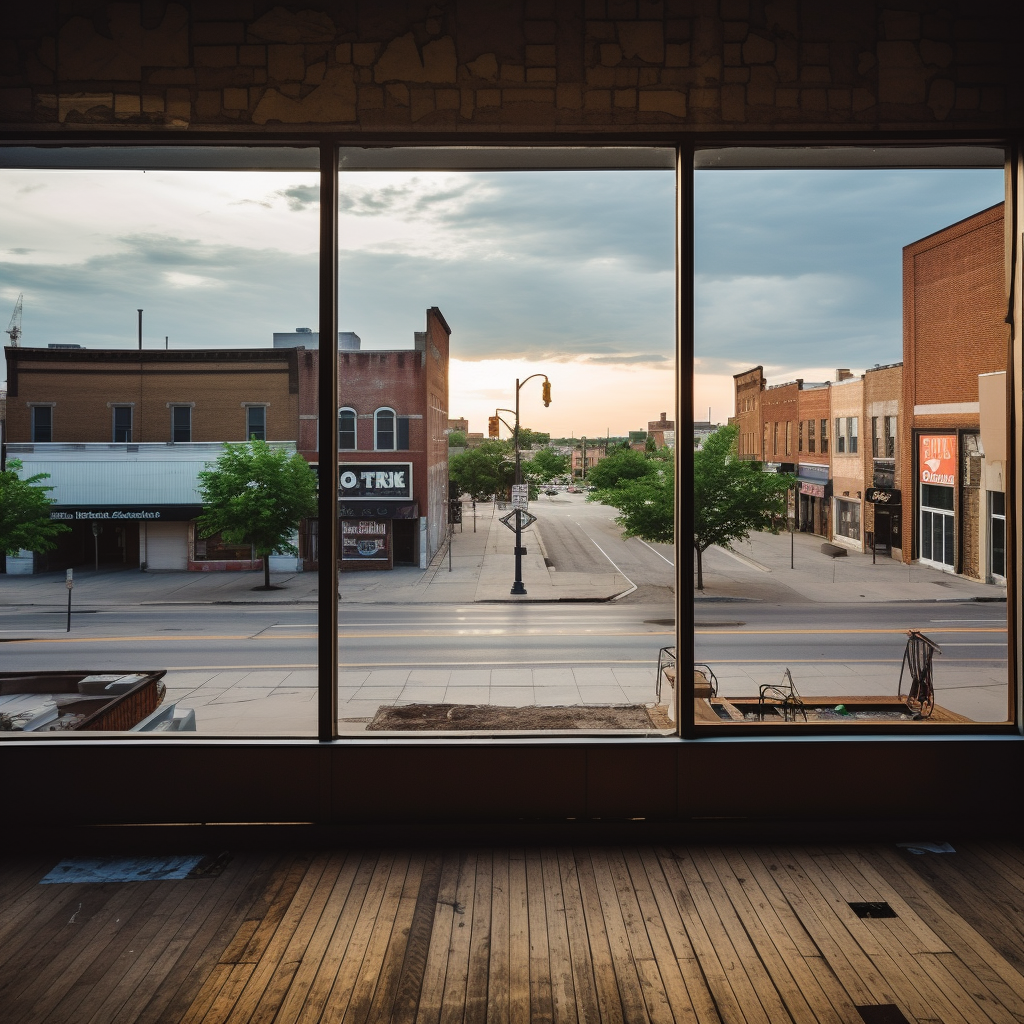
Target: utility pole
column 140, row 330
column 517, row 585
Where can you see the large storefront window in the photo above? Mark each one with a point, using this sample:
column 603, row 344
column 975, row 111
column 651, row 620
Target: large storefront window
column 848, row 519
column 997, row 533
column 216, row 549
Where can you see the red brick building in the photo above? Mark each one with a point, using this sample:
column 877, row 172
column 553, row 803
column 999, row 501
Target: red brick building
column 954, row 309
column 813, row 466
column 748, row 387
column 884, row 480
column 393, row 450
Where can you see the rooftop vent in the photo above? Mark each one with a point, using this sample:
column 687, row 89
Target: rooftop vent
column 60, row 345
column 303, row 330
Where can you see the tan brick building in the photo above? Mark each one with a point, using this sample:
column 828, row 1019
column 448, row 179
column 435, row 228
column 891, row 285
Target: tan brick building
column 747, row 387
column 123, row 435
column 849, row 461
column 954, row 309
column 813, row 469
column 883, row 494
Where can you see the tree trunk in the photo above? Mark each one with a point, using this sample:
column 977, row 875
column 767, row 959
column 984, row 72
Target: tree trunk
column 266, row 571
column 700, row 567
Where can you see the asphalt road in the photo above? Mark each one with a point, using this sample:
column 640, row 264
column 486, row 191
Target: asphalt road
column 494, row 635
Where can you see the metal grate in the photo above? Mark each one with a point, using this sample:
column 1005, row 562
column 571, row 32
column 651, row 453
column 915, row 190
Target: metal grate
column 873, row 909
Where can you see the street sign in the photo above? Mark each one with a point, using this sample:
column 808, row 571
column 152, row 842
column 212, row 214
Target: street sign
column 525, row 519
column 521, row 496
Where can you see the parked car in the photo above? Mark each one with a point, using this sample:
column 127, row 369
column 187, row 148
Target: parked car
column 550, row 492
column 573, row 490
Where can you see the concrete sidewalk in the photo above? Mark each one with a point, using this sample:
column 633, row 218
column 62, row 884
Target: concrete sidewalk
column 482, row 569
column 759, row 569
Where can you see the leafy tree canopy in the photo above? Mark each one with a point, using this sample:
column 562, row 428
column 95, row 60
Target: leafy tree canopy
column 25, row 522
column 619, row 465
column 546, row 465
column 257, row 494
column 484, row 470
column 528, row 437
column 646, row 505
column 732, row 497
column 457, row 439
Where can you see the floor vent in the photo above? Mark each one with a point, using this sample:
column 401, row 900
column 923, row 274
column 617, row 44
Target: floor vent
column 873, row 909
column 884, row 1013
column 136, row 869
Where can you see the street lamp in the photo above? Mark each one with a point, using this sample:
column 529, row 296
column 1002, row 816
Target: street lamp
column 517, row 585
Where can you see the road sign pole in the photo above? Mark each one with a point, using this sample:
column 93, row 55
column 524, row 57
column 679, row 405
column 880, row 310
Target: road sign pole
column 69, row 583
column 517, row 585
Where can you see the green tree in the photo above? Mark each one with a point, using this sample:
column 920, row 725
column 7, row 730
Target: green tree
column 528, row 437
column 650, row 445
column 620, row 465
column 546, row 465
column 25, row 522
column 484, row 470
column 732, row 497
column 457, row 439
column 257, row 494
column 646, row 505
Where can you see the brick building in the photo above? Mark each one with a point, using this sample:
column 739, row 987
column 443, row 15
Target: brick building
column 662, row 430
column 393, row 450
column 813, row 471
column 123, row 435
column 846, row 398
column 748, row 387
column 954, row 330
column 780, row 419
column 883, row 484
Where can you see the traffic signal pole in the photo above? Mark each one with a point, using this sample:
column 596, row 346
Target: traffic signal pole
column 517, row 585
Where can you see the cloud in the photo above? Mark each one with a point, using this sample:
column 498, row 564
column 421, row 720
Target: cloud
column 622, row 359
column 300, row 197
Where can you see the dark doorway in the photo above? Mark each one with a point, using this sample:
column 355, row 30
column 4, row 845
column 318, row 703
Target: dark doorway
column 883, row 531
column 404, row 540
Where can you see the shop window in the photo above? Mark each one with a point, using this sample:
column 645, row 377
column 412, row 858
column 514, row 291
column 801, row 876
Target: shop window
column 256, row 423
column 848, row 519
column 997, row 533
column 42, row 423
column 216, row 549
column 347, row 430
column 122, row 424
column 384, row 430
column 181, row 423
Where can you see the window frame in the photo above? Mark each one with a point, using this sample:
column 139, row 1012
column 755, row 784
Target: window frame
column 34, row 407
column 249, row 407
column 174, row 407
column 329, row 144
column 345, row 410
column 376, row 429
column 114, row 410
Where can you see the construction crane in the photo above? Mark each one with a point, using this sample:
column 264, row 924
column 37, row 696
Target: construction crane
column 14, row 327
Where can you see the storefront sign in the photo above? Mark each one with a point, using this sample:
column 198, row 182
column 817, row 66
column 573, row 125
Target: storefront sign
column 378, row 510
column 389, row 481
column 364, row 540
column 880, row 496
column 814, row 490
column 938, row 459
column 127, row 513
column 810, row 471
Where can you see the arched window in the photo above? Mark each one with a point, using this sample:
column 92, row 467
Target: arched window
column 384, row 430
column 347, row 430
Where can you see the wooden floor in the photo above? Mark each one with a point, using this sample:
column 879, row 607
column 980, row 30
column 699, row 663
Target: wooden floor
column 681, row 934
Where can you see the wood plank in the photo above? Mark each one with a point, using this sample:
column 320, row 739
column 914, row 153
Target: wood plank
column 687, row 1007
column 480, row 941
column 207, row 995
column 965, row 991
column 563, row 996
column 518, row 940
column 410, row 982
column 498, row 968
column 237, row 977
column 793, row 980
column 350, row 968
column 653, row 990
column 321, row 929
column 541, row 1011
column 608, row 1001
column 745, row 972
column 586, row 1004
column 456, row 980
column 436, row 967
column 384, row 995
column 331, row 944
column 695, row 952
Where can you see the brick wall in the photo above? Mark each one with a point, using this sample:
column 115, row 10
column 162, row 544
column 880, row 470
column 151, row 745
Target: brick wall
column 780, row 406
column 748, row 387
column 813, row 404
column 83, row 386
column 565, row 65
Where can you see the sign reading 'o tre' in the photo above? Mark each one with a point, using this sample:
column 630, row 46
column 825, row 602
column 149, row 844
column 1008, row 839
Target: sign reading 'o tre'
column 388, row 480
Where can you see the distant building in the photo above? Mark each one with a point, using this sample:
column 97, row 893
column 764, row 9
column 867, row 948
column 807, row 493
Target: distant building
column 459, row 424
column 702, row 429
column 657, row 428
column 306, row 337
column 747, row 387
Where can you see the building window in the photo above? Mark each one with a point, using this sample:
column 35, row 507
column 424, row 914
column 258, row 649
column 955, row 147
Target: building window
column 181, row 423
column 824, row 437
column 122, row 424
column 256, row 423
column 403, row 433
column 764, row 442
column 216, row 549
column 890, row 437
column 384, row 430
column 840, row 437
column 938, row 526
column 347, row 430
column 851, row 431
column 874, row 437
column 775, row 438
column 848, row 519
column 789, row 437
column 810, row 437
column 800, row 437
column 997, row 533
column 42, row 423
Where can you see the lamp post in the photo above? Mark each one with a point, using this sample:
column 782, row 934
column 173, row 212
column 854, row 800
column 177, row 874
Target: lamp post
column 517, row 585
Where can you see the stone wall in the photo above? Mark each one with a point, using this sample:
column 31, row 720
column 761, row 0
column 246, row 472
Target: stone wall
column 476, row 66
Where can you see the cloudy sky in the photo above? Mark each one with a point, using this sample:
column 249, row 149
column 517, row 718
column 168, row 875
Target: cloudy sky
column 566, row 273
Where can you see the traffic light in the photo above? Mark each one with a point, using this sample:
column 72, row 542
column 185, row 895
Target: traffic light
column 546, row 392
column 492, row 426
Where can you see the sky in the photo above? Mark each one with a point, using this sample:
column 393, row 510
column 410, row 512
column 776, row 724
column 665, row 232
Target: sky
column 565, row 273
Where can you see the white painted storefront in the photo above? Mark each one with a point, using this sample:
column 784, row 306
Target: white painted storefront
column 153, row 486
